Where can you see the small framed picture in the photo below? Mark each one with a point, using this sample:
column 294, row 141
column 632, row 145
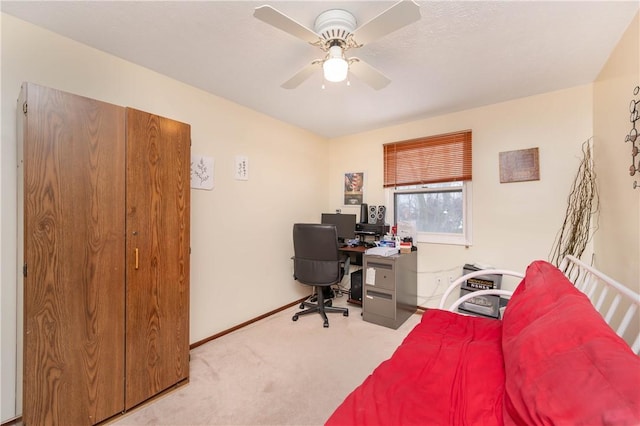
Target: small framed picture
column 519, row 166
column 241, row 170
column 353, row 188
column 201, row 172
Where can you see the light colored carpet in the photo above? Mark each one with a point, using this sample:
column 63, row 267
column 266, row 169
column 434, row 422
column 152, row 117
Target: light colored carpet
column 276, row 372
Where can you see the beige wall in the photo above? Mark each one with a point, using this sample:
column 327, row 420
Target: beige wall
column 241, row 231
column 513, row 223
column 617, row 242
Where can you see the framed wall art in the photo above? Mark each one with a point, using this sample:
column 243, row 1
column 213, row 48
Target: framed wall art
column 241, row 169
column 201, row 172
column 519, row 166
column 353, row 188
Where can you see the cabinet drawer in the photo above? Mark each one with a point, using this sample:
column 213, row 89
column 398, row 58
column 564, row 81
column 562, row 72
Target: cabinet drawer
column 380, row 274
column 379, row 303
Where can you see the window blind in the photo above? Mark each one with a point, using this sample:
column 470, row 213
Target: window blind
column 432, row 159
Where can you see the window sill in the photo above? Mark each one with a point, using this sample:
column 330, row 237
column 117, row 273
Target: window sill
column 443, row 239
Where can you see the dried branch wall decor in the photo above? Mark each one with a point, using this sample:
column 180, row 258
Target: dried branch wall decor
column 582, row 206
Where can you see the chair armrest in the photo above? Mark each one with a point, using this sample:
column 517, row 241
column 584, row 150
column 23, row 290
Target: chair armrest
column 346, row 264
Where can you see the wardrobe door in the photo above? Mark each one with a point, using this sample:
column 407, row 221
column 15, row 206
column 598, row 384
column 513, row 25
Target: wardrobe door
column 73, row 239
column 157, row 247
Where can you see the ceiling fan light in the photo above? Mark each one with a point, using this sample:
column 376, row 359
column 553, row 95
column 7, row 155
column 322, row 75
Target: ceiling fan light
column 335, row 69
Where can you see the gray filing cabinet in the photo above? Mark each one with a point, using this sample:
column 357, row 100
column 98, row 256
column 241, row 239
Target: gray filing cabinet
column 389, row 288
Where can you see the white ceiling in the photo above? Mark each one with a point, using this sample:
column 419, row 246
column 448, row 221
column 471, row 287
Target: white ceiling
column 460, row 55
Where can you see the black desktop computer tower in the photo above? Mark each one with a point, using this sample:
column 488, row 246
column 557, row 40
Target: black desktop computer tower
column 356, row 286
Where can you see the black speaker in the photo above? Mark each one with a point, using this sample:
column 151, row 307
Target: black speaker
column 373, row 214
column 363, row 213
column 356, row 286
column 381, row 213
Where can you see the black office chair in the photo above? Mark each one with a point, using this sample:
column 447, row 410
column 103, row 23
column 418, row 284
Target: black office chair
column 317, row 262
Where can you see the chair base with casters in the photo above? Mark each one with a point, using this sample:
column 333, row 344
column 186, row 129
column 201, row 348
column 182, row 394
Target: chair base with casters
column 329, row 294
column 321, row 306
column 318, row 263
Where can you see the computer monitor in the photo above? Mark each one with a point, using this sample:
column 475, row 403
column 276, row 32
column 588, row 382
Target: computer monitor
column 345, row 224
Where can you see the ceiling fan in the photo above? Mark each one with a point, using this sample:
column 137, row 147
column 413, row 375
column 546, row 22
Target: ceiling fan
column 335, row 32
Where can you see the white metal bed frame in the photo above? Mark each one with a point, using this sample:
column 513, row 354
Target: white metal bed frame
column 606, row 294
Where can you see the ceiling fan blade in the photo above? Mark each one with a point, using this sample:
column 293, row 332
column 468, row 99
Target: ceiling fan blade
column 397, row 16
column 300, row 76
column 281, row 21
column 368, row 74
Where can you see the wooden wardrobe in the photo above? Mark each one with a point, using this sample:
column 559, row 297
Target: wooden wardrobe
column 104, row 193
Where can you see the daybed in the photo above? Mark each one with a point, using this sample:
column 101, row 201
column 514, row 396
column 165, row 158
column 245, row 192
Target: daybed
column 552, row 359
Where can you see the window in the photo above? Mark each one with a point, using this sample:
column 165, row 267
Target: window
column 438, row 213
column 428, row 183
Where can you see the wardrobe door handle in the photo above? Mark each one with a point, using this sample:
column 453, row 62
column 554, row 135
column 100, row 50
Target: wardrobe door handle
column 136, row 252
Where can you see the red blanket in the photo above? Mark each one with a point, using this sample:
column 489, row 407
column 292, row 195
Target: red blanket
column 563, row 365
column 448, row 370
